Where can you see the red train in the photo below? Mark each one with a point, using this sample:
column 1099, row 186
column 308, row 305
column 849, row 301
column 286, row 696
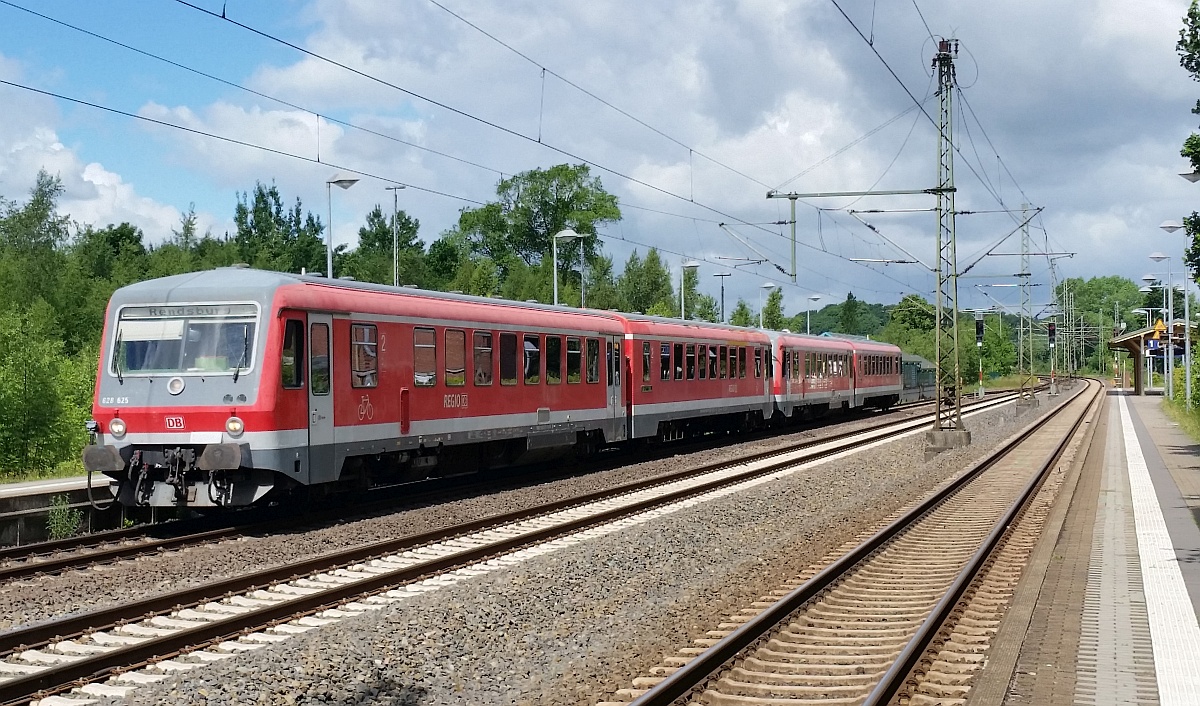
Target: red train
column 224, row 387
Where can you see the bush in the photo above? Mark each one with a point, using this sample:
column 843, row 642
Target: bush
column 63, row 520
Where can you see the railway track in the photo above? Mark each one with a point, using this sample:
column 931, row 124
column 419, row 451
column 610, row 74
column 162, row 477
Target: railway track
column 80, row 552
column 905, row 615
column 110, row 651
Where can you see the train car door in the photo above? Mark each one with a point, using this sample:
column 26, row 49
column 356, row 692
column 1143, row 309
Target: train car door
column 320, row 398
column 616, row 400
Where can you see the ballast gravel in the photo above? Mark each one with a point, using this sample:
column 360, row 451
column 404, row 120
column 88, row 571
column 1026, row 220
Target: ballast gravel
column 23, row 602
column 575, row 625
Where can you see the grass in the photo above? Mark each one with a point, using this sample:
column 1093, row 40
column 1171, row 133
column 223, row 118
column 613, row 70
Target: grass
column 1188, row 422
column 1007, row 381
column 66, row 469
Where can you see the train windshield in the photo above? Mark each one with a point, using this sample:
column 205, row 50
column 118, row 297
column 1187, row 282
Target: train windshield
column 201, row 339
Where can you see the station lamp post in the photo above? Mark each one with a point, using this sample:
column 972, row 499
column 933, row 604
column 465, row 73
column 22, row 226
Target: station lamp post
column 764, row 287
column 344, row 183
column 688, row 265
column 722, row 275
column 814, row 298
column 395, row 232
column 1171, row 227
column 566, row 235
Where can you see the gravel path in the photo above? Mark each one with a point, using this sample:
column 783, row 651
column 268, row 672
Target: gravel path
column 574, row 625
column 41, row 598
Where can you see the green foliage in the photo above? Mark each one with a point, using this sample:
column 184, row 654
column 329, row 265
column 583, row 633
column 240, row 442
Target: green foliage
column 274, row 238
column 707, row 309
column 850, row 317
column 62, row 520
column 601, row 285
column 999, row 352
column 772, row 313
column 915, row 313
column 531, row 208
column 742, row 316
column 645, row 285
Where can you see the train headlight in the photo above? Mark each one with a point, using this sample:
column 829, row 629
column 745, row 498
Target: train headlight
column 175, row 386
column 117, row 427
column 234, row 426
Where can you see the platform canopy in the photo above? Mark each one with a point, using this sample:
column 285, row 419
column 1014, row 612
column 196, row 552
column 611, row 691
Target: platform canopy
column 1137, row 342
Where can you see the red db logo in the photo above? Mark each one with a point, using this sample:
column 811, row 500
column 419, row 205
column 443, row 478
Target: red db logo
column 174, row 422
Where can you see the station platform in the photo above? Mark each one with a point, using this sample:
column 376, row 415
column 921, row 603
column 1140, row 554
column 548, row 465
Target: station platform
column 1106, row 612
column 24, row 507
column 47, row 486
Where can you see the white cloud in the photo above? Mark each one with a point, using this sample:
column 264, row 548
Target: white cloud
column 92, row 195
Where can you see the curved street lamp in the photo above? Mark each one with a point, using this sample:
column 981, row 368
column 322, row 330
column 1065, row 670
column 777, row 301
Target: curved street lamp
column 566, row 235
column 764, row 287
column 814, row 298
column 688, row 265
column 344, row 183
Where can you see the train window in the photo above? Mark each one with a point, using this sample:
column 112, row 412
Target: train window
column 610, row 353
column 574, row 361
column 364, row 360
column 508, row 359
column 483, row 357
column 769, row 355
column 318, row 371
column 741, row 361
column 456, row 357
column 702, row 360
column 291, row 364
column 664, row 362
column 614, row 363
column 424, row 357
column 712, row 362
column 646, row 361
column 691, row 361
column 787, row 365
column 553, row 360
column 678, row 361
column 533, row 359
column 757, row 362
column 593, row 360
column 724, row 362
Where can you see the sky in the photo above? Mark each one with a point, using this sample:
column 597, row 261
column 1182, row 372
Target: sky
column 689, row 112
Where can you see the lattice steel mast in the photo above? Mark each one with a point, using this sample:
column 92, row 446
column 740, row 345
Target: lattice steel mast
column 949, row 407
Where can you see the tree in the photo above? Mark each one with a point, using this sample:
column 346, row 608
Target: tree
column 44, row 398
column 535, row 205
column 707, row 308
column 271, row 237
column 915, row 313
column 645, row 283
column 1188, row 48
column 999, row 353
column 850, row 317
column 772, row 312
column 31, row 240
column 742, row 316
column 601, row 286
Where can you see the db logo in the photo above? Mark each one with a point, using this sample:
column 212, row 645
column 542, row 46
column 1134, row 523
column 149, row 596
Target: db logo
column 174, row 422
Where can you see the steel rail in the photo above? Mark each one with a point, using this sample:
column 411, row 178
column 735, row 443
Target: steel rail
column 693, row 674
column 896, row 675
column 98, row 666
column 180, row 532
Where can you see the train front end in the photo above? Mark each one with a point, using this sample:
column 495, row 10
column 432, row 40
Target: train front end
column 179, row 402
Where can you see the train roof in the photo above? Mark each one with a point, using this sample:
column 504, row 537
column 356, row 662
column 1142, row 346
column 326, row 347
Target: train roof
column 659, row 325
column 266, row 287
column 809, row 341
column 864, row 343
